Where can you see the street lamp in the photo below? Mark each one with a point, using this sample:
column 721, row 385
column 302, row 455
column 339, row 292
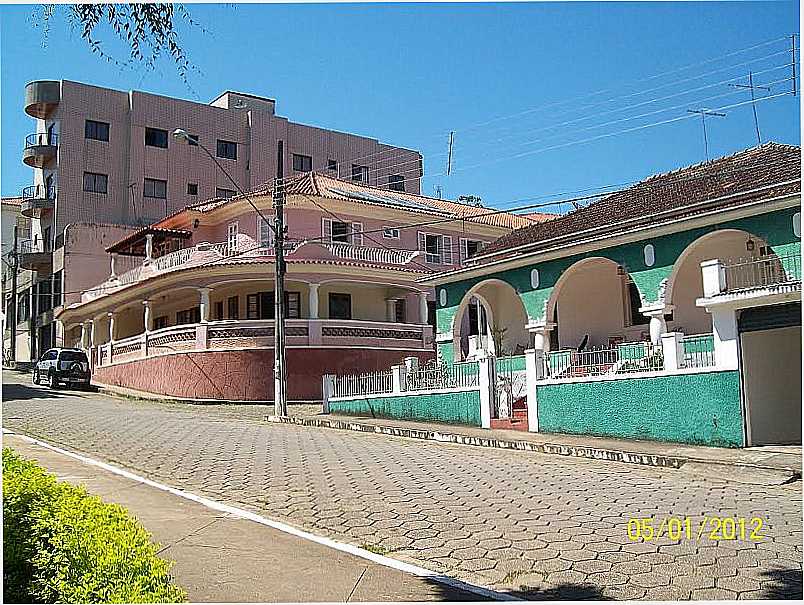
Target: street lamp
column 278, row 229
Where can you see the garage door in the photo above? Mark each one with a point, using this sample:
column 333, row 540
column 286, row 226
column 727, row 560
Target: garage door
column 770, row 349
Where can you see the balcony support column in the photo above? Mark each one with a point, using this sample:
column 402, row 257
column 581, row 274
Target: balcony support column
column 541, row 335
column 112, row 260
column 390, row 309
column 147, row 319
column 724, row 330
column 312, row 301
column 204, row 304
column 112, row 317
column 714, row 277
column 423, row 309
column 658, row 325
column 149, row 247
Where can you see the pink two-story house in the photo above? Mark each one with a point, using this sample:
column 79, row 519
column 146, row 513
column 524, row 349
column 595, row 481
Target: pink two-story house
column 188, row 309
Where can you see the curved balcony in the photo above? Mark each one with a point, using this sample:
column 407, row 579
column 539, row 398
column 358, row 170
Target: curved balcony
column 42, row 97
column 34, row 257
column 37, row 200
column 40, row 149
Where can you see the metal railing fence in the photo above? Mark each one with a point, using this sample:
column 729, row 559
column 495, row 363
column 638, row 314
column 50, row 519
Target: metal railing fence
column 763, row 271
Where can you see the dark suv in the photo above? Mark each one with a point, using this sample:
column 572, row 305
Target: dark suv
column 57, row 366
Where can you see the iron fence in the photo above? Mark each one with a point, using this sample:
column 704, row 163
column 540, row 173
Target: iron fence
column 699, row 351
column 363, row 384
column 625, row 358
column 763, row 271
column 434, row 375
column 511, row 385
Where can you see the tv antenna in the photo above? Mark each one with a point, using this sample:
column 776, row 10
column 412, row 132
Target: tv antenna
column 703, row 112
column 751, row 86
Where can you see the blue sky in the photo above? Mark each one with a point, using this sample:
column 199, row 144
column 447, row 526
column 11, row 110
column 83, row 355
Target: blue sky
column 408, row 74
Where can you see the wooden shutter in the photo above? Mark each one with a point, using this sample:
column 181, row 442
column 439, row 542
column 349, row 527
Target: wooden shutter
column 326, row 229
column 464, row 249
column 446, row 256
column 422, row 242
column 357, row 234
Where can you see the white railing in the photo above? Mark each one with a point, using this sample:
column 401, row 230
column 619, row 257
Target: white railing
column 172, row 259
column 625, row 358
column 366, row 253
column 363, row 384
column 699, row 351
column 434, row 375
column 130, row 276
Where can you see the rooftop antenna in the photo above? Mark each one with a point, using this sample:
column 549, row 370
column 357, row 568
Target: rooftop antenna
column 751, row 86
column 449, row 152
column 437, row 189
column 703, row 113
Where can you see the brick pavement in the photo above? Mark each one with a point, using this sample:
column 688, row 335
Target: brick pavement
column 543, row 526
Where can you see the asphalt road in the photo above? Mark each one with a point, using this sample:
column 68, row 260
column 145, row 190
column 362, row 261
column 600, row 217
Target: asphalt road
column 540, row 526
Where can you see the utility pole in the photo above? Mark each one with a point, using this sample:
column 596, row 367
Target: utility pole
column 706, row 112
column 12, row 309
column 751, row 87
column 280, row 373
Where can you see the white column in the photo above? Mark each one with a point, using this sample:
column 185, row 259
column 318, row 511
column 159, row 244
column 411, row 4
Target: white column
column 204, row 304
column 423, row 310
column 147, row 315
column 398, row 376
column 534, row 371
column 714, row 277
column 541, row 335
column 111, row 317
column 658, row 325
column 327, row 390
column 312, row 301
column 488, row 390
column 673, row 350
column 92, row 334
column 83, row 335
column 112, row 259
column 390, row 309
column 149, row 247
column 724, row 329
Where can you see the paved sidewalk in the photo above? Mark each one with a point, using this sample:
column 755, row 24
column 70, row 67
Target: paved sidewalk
column 766, row 463
column 222, row 558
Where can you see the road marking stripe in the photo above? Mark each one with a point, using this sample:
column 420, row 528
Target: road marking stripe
column 244, row 514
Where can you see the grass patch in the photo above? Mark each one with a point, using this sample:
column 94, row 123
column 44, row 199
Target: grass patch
column 377, row 549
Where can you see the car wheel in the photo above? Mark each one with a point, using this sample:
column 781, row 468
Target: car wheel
column 53, row 382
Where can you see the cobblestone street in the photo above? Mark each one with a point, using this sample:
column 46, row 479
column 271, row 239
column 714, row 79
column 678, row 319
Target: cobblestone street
column 544, row 526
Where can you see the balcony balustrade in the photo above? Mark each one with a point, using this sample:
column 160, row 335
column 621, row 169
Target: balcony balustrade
column 40, row 149
column 37, row 199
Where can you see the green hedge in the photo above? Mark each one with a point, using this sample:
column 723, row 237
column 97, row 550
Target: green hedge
column 61, row 545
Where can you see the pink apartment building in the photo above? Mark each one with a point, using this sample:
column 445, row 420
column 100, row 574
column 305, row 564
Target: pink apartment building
column 188, row 309
column 106, row 157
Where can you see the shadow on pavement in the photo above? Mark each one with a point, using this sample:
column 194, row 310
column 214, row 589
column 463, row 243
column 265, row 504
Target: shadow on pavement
column 783, row 584
column 17, row 391
column 559, row 592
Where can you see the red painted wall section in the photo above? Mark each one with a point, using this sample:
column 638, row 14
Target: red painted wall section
column 245, row 375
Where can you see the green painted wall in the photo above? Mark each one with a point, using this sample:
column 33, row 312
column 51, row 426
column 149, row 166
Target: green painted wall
column 776, row 228
column 454, row 408
column 686, row 408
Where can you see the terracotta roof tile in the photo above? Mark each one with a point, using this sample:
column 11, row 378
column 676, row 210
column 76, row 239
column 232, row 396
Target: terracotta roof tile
column 733, row 178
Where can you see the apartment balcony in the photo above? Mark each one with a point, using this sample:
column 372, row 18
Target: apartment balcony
column 37, row 200
column 34, row 257
column 42, row 97
column 771, row 278
column 40, row 149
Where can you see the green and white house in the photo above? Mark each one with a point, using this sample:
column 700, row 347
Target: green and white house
column 669, row 311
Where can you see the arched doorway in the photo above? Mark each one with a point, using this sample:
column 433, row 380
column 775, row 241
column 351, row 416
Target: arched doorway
column 685, row 284
column 491, row 318
column 595, row 303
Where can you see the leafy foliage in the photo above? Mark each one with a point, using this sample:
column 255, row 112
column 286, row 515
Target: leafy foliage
column 148, row 29
column 62, row 545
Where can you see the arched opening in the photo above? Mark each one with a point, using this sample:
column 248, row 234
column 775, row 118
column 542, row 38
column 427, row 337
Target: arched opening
column 491, row 318
column 685, row 284
column 595, row 303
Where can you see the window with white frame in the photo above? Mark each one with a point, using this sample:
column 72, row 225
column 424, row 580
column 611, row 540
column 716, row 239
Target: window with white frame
column 390, row 233
column 232, row 231
column 437, row 248
column 470, row 247
column 263, row 232
column 341, row 231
